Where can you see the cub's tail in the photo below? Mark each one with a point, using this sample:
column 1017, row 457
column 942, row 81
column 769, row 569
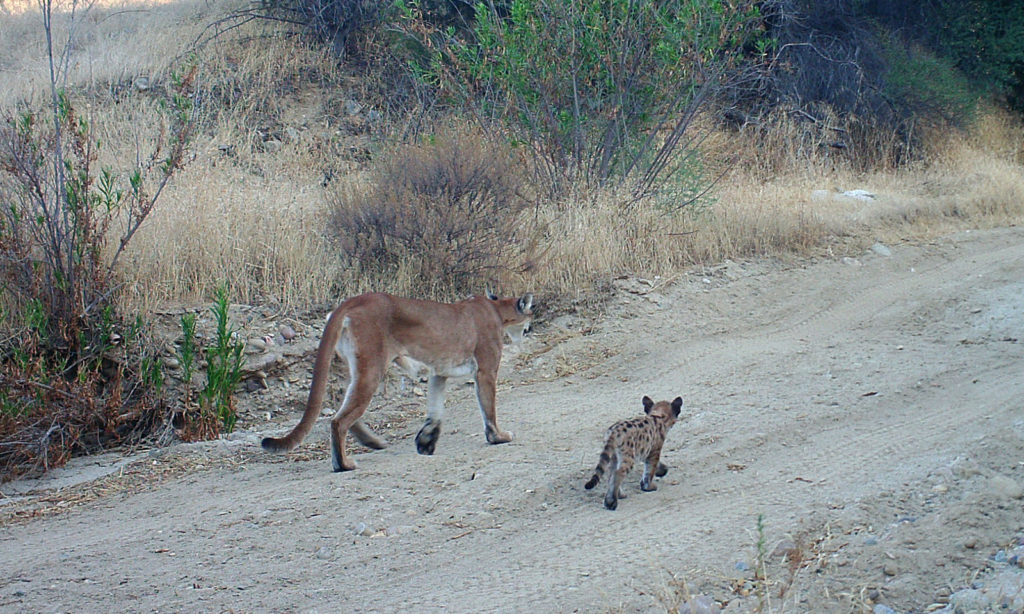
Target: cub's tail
column 602, row 464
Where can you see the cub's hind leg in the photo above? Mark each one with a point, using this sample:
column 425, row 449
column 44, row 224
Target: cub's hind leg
column 652, row 467
column 622, row 466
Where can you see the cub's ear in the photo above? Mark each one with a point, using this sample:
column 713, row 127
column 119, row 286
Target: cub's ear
column 491, row 295
column 648, row 404
column 677, row 406
column 525, row 304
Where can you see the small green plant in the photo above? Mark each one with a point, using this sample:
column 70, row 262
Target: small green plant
column 761, row 567
column 224, row 365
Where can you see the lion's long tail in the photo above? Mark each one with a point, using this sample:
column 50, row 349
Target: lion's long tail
column 602, row 464
column 321, row 371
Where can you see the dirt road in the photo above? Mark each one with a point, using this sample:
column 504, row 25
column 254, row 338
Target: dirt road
column 868, row 409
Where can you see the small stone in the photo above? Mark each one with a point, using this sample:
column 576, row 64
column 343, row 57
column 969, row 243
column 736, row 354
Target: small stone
column 881, row 608
column 324, row 553
column 785, row 548
column 1000, row 556
column 699, row 604
column 1005, row 486
column 881, row 250
column 171, row 363
column 255, row 346
column 352, row 107
column 870, row 540
column 890, row 569
column 971, row 543
column 741, row 566
column 964, row 468
column 940, row 489
column 142, row 84
column 362, row 529
column 287, row 332
column 272, row 145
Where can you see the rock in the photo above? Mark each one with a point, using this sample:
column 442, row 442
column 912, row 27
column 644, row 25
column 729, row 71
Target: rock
column 292, row 134
column 172, row 363
column 272, row 145
column 970, row 600
column 881, row 608
column 785, row 548
column 324, row 553
column 870, row 540
column 881, row 250
column 398, row 530
column 741, row 566
column 859, row 195
column 255, row 346
column 851, row 261
column 142, row 84
column 890, row 569
column 964, row 468
column 362, row 529
column 352, row 107
column 287, row 332
column 1004, row 486
column 699, row 604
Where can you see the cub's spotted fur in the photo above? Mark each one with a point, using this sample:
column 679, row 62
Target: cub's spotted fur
column 628, row 440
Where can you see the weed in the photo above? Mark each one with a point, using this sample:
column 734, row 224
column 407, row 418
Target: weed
column 224, row 365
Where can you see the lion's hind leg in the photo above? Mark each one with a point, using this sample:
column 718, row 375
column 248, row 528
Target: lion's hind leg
column 366, row 436
column 366, row 368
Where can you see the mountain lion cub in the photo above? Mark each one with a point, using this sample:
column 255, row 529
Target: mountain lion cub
column 628, row 440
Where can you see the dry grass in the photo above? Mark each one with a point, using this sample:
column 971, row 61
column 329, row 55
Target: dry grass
column 252, row 206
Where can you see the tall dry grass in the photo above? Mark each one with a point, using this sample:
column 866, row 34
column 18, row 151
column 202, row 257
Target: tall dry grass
column 253, row 205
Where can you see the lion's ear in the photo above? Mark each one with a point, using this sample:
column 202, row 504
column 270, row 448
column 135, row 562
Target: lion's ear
column 525, row 304
column 648, row 404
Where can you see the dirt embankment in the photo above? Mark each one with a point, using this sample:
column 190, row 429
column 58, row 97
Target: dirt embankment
column 867, row 409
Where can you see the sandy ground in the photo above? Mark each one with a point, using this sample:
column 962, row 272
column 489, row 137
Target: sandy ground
column 868, row 410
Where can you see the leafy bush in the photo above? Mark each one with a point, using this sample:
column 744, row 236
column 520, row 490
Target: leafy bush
column 445, row 211
column 76, row 373
column 598, row 89
column 927, row 84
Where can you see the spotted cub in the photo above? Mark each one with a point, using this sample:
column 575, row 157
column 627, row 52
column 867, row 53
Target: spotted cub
column 628, row 440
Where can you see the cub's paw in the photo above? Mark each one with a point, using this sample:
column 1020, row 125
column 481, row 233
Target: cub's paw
column 661, row 470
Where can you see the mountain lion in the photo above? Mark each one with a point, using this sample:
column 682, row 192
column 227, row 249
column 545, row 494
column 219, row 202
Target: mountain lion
column 373, row 331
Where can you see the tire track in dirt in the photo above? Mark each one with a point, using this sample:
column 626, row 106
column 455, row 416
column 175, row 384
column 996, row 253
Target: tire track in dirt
column 776, row 380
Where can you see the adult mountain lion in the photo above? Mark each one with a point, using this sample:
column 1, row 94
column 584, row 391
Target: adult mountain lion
column 374, row 330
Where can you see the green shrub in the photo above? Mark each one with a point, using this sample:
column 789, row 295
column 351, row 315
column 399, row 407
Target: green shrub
column 596, row 90
column 927, row 84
